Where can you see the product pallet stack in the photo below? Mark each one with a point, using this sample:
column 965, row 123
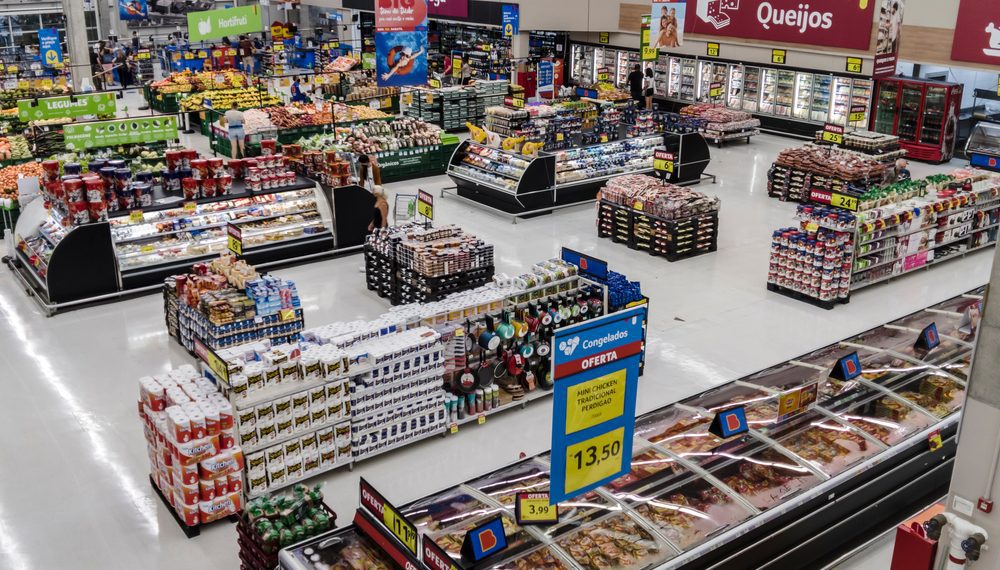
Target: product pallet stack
column 408, row 264
column 505, row 121
column 489, row 94
column 660, row 219
column 896, row 229
column 722, row 124
column 458, row 106
column 271, row 523
column 226, row 303
column 799, row 171
column 879, row 146
column 196, row 466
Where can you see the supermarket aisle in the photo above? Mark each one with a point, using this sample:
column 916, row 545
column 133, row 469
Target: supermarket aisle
column 79, row 448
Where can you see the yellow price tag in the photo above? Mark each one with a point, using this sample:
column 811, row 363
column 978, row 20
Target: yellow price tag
column 387, row 102
column 835, row 138
column 637, row 206
column 23, row 84
column 202, row 54
column 594, row 459
column 188, row 55
column 453, row 428
column 136, row 217
column 147, row 249
column 142, row 55
column 778, row 56
column 406, row 98
column 854, row 65
column 845, row 202
column 602, row 75
column 285, row 82
column 399, row 527
column 217, row 53
column 604, row 138
column 713, row 49
column 235, row 245
column 518, row 103
column 812, row 227
column 287, row 315
column 604, row 38
column 560, row 137
column 434, row 82
column 190, row 207
column 595, row 401
column 429, row 98
column 534, row 508
column 481, row 420
column 230, row 52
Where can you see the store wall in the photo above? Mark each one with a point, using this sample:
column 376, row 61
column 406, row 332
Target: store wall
column 928, row 29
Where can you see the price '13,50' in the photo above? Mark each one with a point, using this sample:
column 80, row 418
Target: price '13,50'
column 594, row 456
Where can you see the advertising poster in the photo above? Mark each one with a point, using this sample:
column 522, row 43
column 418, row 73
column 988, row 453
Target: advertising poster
column 214, row 24
column 81, row 136
column 546, row 79
column 401, row 58
column 510, row 20
column 49, row 47
column 890, row 21
column 977, row 32
column 666, row 26
column 400, row 15
column 448, row 8
column 132, row 10
column 66, row 107
column 829, row 23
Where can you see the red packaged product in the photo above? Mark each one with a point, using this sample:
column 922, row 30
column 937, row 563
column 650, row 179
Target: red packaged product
column 236, row 168
column 190, row 187
column 187, row 155
column 225, row 183
column 208, row 187
column 75, row 188
column 199, row 169
column 206, row 490
column 235, row 482
column 268, row 147
column 174, row 158
column 221, row 484
column 190, row 514
column 216, row 167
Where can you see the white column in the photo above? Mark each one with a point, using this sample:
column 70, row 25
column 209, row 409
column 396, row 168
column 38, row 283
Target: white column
column 76, row 42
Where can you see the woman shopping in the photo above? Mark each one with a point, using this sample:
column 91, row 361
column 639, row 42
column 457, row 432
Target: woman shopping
column 233, row 120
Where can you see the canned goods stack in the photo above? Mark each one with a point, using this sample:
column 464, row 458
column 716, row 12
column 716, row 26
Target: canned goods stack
column 812, row 261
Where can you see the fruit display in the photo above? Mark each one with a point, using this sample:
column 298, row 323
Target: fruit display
column 222, row 99
column 14, row 148
column 353, row 113
column 10, row 174
column 377, row 136
column 190, row 81
column 10, row 97
column 617, row 542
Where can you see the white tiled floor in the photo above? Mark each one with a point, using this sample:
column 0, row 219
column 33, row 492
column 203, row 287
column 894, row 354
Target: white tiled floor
column 73, row 468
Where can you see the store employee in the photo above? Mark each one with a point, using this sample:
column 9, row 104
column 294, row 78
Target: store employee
column 635, row 85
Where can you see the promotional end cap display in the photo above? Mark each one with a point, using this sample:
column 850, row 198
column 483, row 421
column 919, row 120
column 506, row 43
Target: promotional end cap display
column 484, row 540
column 928, row 338
column 728, row 423
column 847, row 368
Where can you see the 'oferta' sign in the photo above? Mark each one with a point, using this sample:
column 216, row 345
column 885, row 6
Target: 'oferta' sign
column 61, row 107
column 214, row 24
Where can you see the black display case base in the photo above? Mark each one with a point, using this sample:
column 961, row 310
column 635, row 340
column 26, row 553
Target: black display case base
column 806, row 298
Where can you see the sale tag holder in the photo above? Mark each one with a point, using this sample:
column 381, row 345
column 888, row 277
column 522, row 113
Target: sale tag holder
column 484, row 541
column 857, row 114
column 425, row 204
column 833, row 134
column 729, row 423
column 234, row 240
column 712, row 49
column 535, row 508
column 218, row 366
column 391, row 531
column 928, row 339
column 595, row 367
column 854, row 64
column 663, row 162
column 778, row 56
column 435, row 557
column 797, row 401
column 847, row 368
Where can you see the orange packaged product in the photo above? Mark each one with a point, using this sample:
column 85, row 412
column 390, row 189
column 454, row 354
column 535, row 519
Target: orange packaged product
column 226, row 462
column 190, row 514
column 186, row 474
column 187, row 494
column 206, row 490
column 196, row 451
column 235, row 482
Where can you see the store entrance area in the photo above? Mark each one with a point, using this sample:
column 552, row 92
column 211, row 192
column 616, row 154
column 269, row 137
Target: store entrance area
column 71, row 378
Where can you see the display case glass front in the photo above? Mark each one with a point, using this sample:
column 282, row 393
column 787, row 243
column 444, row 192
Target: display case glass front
column 909, row 112
column 734, row 94
column 803, row 95
column 861, row 96
column 985, row 139
column 887, row 108
column 932, row 123
column 821, row 103
column 751, row 86
column 841, row 100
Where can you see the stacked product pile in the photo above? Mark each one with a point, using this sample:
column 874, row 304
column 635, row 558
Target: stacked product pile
column 880, row 146
column 721, row 123
column 414, row 264
column 662, row 219
column 166, row 94
column 271, row 523
column 798, row 171
column 195, row 462
column 342, row 64
column 226, row 303
column 505, row 121
column 330, row 167
column 223, row 99
column 293, row 409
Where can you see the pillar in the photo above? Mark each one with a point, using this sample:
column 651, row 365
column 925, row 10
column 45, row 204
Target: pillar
column 974, row 473
column 76, row 43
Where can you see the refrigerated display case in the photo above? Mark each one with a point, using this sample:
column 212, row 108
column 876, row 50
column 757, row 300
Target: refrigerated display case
column 583, row 70
column 922, row 113
column 983, row 146
column 687, row 76
column 736, row 87
column 820, row 107
column 709, row 73
column 841, row 109
column 627, row 59
column 802, row 108
column 792, row 492
column 661, row 76
column 751, row 87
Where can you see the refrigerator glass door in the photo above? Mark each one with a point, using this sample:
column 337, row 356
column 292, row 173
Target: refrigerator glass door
column 661, row 75
column 861, row 96
column 886, row 107
column 705, row 75
column 935, row 105
column 583, row 64
column 674, row 84
column 803, row 95
column 822, row 90
column 734, row 94
column 768, row 91
column 841, row 100
column 751, row 86
column 783, row 95
column 909, row 112
column 689, row 74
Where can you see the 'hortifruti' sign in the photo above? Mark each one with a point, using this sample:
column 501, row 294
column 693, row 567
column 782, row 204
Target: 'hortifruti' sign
column 98, row 134
column 62, row 107
column 231, row 22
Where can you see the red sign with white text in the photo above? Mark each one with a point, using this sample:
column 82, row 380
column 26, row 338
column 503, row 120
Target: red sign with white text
column 977, row 32
column 448, row 8
column 830, row 23
column 598, row 359
column 400, row 14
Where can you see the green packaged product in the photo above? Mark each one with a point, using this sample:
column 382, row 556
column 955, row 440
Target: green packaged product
column 299, row 531
column 286, row 538
column 309, row 527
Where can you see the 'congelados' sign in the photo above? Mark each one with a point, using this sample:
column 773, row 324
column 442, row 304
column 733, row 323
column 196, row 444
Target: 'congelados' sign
column 62, row 107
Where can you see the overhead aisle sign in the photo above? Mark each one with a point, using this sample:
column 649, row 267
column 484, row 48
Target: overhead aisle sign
column 596, row 370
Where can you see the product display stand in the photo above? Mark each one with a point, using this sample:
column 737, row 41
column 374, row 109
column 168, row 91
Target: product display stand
column 673, row 239
column 692, row 158
column 349, row 225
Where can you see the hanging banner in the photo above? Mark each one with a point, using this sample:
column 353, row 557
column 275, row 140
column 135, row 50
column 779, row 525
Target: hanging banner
column 546, row 79
column 49, row 47
column 977, row 32
column 646, row 50
column 510, row 21
column 666, row 27
column 214, row 24
column 66, row 107
column 133, row 10
column 400, row 14
column 401, row 58
column 890, row 22
column 596, row 370
column 828, row 23
column 449, row 8
column 80, row 136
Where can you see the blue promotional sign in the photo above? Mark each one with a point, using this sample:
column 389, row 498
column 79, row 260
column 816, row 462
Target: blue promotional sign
column 590, row 266
column 133, row 10
column 728, row 423
column 401, row 58
column 510, row 21
column 596, row 371
column 48, row 46
column 484, row 540
column 928, row 338
column 584, row 92
column 546, row 77
column 847, row 368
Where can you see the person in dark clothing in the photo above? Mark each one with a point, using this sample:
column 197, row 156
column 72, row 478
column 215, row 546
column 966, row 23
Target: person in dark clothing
column 635, row 85
column 380, row 214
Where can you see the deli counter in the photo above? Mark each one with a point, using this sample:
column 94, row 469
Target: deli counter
column 792, row 492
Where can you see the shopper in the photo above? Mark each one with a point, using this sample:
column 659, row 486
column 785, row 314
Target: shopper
column 121, row 66
column 135, row 41
column 108, row 65
column 380, row 214
column 96, row 71
column 647, row 87
column 369, row 172
column 297, row 95
column 233, row 120
column 635, row 84
column 902, row 172
column 246, row 51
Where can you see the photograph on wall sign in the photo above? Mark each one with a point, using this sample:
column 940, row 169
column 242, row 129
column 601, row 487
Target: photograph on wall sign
column 829, row 23
column 890, row 21
column 666, row 27
column 977, row 32
column 401, row 58
column 133, row 10
column 400, row 14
